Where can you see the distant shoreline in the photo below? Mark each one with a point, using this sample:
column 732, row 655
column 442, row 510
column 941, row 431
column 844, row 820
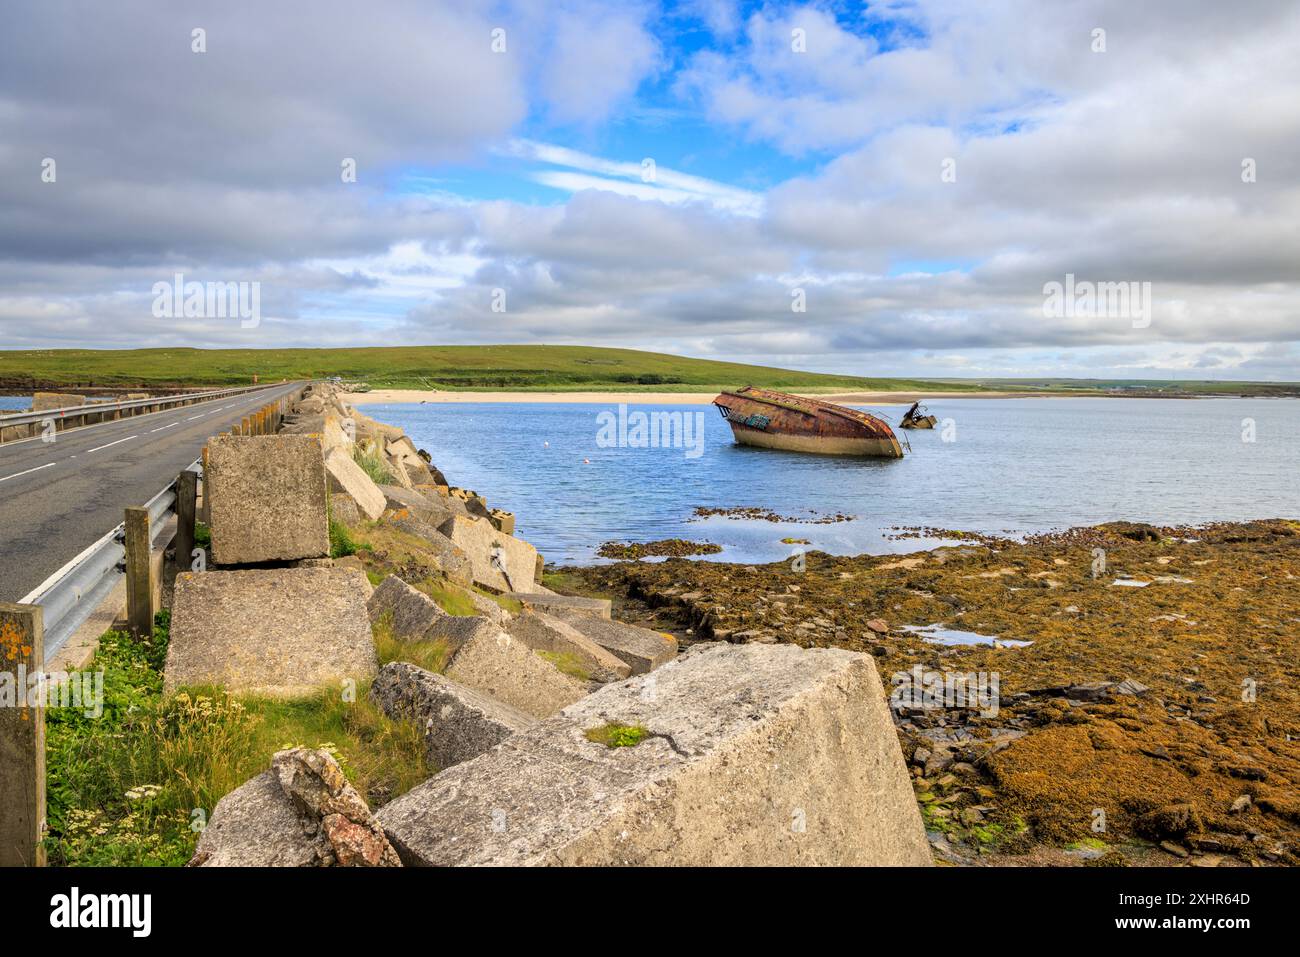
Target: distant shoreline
column 377, row 396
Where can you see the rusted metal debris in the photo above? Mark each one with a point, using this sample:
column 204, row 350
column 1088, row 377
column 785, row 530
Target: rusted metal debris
column 917, row 418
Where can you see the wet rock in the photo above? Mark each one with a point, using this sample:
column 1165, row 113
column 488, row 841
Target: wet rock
column 1171, row 821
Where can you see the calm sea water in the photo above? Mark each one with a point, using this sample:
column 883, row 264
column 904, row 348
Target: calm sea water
column 1012, row 466
column 9, row 403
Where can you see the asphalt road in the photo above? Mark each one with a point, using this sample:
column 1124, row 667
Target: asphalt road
column 56, row 498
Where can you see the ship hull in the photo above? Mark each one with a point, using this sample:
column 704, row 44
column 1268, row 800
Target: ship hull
column 776, row 420
column 877, row 448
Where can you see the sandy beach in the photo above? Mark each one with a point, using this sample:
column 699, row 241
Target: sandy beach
column 660, row 398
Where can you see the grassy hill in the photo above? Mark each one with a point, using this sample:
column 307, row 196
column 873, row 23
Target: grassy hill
column 519, row 368
column 557, row 368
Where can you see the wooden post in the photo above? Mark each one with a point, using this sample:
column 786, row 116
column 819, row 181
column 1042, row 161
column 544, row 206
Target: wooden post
column 187, row 490
column 246, row 427
column 22, row 739
column 139, row 584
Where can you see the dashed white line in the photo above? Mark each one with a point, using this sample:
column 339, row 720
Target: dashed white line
column 172, row 425
column 193, row 417
column 111, row 444
column 29, row 471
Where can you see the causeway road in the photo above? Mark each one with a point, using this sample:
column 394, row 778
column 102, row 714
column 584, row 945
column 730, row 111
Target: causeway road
column 57, row 498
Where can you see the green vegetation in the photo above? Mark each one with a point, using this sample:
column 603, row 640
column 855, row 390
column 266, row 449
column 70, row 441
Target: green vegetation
column 517, row 368
column 615, row 735
column 202, row 535
column 513, row 367
column 341, row 543
column 567, row 662
column 452, row 599
column 429, row 655
column 135, row 785
column 373, row 463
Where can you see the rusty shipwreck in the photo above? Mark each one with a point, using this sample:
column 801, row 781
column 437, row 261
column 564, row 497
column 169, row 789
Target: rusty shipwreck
column 777, row 420
column 918, row 418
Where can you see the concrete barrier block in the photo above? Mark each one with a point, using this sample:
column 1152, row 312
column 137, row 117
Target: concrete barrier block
column 553, row 604
column 267, row 498
column 541, row 632
column 643, row 649
column 492, row 662
column 278, row 631
column 450, row 559
column 346, row 476
column 428, row 509
column 459, row 723
column 44, row 401
column 411, row 611
column 499, row 561
column 751, row 755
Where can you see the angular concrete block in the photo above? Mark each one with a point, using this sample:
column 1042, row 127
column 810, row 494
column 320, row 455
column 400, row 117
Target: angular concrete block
column 552, row 603
column 755, row 755
column 641, row 648
column 346, row 476
column 412, row 611
column 343, row 508
column 459, row 723
column 441, row 552
column 278, row 631
column 44, row 401
column 541, row 632
column 456, row 630
column 334, row 436
column 267, row 498
column 500, row 562
column 431, row 510
column 492, row 662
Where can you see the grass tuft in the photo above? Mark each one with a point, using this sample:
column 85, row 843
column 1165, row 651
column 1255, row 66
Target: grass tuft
column 614, row 735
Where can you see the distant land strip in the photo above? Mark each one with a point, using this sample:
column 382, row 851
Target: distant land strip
column 521, row 368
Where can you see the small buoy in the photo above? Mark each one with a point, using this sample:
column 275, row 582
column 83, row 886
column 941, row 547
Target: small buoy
column 546, row 445
column 586, row 461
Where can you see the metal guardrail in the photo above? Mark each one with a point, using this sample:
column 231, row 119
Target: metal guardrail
column 95, row 408
column 71, row 594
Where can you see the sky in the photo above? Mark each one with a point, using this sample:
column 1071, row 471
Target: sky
column 884, row 189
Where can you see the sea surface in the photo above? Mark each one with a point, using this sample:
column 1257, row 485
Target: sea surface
column 11, row 403
column 1005, row 466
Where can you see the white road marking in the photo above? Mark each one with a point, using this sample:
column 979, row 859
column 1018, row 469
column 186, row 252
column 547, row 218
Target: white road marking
column 111, row 444
column 173, row 425
column 29, row 471
column 193, row 417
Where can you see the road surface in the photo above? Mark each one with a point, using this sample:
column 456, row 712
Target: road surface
column 56, row 498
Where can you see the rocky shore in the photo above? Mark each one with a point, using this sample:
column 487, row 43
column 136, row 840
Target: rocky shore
column 341, row 569
column 1132, row 690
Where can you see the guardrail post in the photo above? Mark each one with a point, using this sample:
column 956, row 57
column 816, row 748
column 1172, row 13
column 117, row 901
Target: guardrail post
column 22, row 740
column 206, row 517
column 187, row 489
column 139, row 582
